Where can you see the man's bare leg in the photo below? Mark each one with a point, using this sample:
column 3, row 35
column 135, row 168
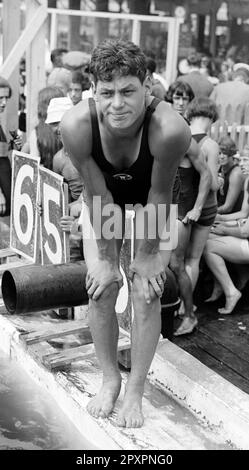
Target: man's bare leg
column 145, row 335
column 104, row 329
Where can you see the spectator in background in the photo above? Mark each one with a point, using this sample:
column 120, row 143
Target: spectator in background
column 80, row 82
column 230, row 195
column 228, row 241
column 5, row 167
column 61, row 163
column 233, row 93
column 179, row 95
column 200, row 85
column 42, row 142
column 226, row 71
column 202, row 113
column 76, row 60
column 60, row 76
column 207, row 68
column 195, row 180
column 157, row 90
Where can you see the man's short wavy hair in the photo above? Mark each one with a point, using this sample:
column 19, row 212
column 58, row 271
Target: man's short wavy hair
column 202, row 107
column 117, row 57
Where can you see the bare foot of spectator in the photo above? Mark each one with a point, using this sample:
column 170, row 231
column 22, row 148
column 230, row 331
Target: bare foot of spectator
column 187, row 326
column 216, row 294
column 231, row 302
column 181, row 311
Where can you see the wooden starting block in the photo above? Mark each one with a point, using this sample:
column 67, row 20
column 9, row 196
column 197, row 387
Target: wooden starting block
column 55, row 360
column 54, row 331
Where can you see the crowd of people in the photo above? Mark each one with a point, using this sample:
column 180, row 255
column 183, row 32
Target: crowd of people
column 112, row 127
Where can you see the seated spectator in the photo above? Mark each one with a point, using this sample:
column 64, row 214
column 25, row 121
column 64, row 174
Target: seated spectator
column 230, row 195
column 229, row 241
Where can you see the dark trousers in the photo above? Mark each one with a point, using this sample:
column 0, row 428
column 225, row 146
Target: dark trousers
column 5, row 182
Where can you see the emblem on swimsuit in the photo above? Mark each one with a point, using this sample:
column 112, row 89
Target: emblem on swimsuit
column 122, row 177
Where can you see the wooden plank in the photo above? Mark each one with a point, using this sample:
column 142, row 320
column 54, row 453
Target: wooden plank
column 229, row 114
column 6, row 252
column 35, row 64
column 11, row 31
column 234, row 341
column 242, row 138
column 238, row 114
column 224, row 355
column 54, row 331
column 233, row 133
column 215, row 365
column 246, row 115
column 60, row 360
column 22, row 43
column 215, row 131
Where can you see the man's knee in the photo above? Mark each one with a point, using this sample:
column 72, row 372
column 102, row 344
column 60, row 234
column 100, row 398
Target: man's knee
column 109, row 295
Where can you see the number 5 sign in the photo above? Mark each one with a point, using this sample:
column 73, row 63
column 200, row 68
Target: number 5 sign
column 30, row 184
column 53, row 239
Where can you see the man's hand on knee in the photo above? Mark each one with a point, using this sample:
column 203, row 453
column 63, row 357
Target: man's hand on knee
column 151, row 271
column 100, row 275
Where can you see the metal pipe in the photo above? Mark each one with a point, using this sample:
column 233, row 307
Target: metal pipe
column 35, row 288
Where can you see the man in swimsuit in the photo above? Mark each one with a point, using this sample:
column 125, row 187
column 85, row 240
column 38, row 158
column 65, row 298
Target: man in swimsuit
column 127, row 147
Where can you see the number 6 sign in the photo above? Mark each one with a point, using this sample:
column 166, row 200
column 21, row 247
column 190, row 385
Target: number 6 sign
column 24, row 197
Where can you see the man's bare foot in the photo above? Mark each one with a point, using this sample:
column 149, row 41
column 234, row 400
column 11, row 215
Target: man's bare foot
column 231, row 302
column 103, row 403
column 187, row 326
column 130, row 415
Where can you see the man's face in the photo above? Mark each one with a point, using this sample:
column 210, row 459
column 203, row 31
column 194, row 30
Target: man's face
column 4, row 96
column 75, row 93
column 121, row 101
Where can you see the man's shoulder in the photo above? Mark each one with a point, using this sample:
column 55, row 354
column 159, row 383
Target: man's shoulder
column 167, row 117
column 167, row 127
column 76, row 118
